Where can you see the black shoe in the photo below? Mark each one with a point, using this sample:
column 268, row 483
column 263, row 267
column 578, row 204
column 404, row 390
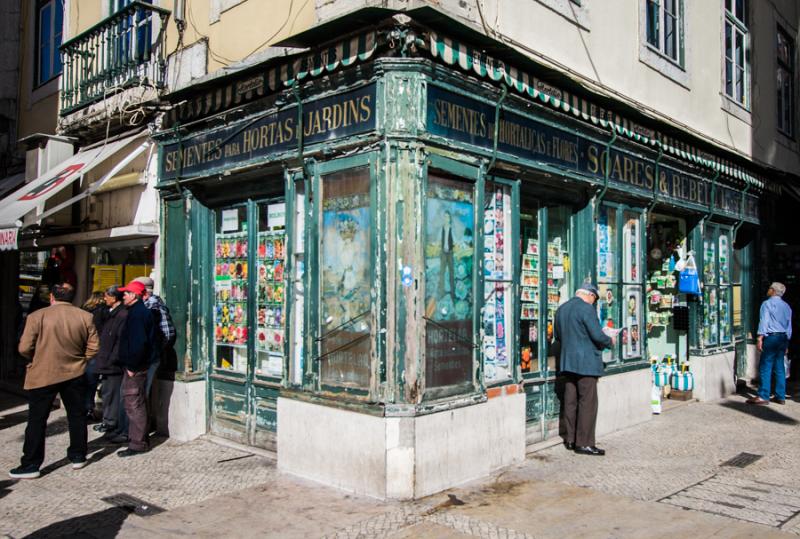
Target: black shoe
column 25, row 472
column 130, row 453
column 102, row 427
column 590, row 450
column 569, row 445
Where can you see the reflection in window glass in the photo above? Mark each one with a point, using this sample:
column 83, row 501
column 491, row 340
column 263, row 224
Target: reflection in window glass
column 608, row 313
column 606, row 244
column 529, row 293
column 724, row 316
column 345, row 273
column 709, row 256
column 630, row 248
column 724, row 253
column 449, row 254
column 298, row 290
column 496, row 336
column 710, row 317
column 231, row 289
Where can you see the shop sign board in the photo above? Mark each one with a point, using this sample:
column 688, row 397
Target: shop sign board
column 8, row 239
column 325, row 119
column 471, row 121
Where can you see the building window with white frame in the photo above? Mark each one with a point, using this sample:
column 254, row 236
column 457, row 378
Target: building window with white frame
column 664, row 21
column 49, row 30
column 736, row 51
column 785, row 83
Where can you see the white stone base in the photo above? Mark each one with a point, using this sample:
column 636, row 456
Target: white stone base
column 400, row 457
column 180, row 409
column 714, row 375
column 623, row 400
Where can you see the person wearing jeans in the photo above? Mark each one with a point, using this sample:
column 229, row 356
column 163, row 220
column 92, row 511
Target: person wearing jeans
column 774, row 333
column 58, row 341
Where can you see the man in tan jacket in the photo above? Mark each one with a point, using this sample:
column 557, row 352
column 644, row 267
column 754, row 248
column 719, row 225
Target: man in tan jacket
column 58, row 341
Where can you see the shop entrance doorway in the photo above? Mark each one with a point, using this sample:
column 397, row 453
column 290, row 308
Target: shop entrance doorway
column 249, row 254
column 667, row 310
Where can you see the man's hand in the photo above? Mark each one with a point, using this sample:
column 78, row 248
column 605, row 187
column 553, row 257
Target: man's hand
column 760, row 343
column 130, row 373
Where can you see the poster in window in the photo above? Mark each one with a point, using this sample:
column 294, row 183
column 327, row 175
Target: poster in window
column 605, row 256
column 723, row 259
column 630, row 242
column 632, row 309
column 449, row 252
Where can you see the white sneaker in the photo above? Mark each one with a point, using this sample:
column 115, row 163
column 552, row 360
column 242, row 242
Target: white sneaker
column 79, row 465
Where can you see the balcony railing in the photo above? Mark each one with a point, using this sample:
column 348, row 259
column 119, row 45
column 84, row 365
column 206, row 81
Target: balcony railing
column 123, row 50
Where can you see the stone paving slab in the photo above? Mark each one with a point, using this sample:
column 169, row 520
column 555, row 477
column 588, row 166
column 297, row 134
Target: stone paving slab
column 210, row 491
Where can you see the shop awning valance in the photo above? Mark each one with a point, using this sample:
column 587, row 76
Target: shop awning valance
column 37, row 192
column 454, row 53
column 318, row 62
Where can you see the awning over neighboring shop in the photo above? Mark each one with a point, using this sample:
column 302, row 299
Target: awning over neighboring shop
column 35, row 193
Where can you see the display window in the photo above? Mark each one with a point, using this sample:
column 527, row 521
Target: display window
column 717, row 295
column 449, row 253
column 497, row 337
column 667, row 311
column 297, row 347
column 619, row 278
column 558, row 267
column 529, row 286
column 345, row 278
column 231, row 290
column 245, row 314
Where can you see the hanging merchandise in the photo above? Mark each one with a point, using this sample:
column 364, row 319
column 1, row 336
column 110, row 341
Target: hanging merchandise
column 688, row 282
column 655, row 399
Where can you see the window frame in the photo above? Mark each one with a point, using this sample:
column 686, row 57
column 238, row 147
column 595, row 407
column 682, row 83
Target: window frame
column 718, row 281
column 54, row 37
column 660, row 44
column 620, row 283
column 738, row 27
column 787, row 67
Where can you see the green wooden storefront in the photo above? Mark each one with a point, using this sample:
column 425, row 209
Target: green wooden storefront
column 389, row 229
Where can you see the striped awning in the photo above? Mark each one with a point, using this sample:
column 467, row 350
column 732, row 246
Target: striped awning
column 454, row 53
column 243, row 89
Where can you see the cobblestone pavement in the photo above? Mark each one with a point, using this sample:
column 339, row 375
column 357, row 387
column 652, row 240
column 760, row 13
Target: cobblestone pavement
column 170, row 475
column 653, row 472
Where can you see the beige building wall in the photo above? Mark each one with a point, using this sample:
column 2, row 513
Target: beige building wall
column 600, row 43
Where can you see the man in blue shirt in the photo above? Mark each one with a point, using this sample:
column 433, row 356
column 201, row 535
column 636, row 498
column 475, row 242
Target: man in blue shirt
column 774, row 332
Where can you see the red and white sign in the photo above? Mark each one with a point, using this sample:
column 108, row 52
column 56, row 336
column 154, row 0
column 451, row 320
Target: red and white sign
column 8, row 239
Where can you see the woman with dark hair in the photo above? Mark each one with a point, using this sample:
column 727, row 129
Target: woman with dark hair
column 99, row 310
column 106, row 358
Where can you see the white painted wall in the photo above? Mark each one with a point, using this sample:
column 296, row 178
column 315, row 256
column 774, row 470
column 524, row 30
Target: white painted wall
column 623, row 400
column 180, row 409
column 713, row 376
column 399, row 458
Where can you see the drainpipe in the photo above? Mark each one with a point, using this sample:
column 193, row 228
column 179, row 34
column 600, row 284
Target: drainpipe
column 713, row 196
column 503, row 96
column 655, row 180
column 607, row 162
column 738, row 225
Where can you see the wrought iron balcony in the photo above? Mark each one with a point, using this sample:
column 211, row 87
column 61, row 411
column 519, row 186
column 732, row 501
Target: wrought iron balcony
column 123, row 50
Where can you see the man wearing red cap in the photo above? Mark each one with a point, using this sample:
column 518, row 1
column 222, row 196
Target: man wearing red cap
column 137, row 350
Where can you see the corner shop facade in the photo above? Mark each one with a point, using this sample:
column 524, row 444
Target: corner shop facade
column 375, row 245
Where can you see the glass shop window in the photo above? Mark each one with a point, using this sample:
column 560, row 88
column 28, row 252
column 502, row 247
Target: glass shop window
column 619, row 277
column 297, row 348
column 496, row 335
column 530, row 273
column 449, row 296
column 270, row 288
column 231, row 289
column 716, row 328
column 558, row 270
column 345, row 277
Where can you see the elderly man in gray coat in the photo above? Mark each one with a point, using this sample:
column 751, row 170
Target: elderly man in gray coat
column 581, row 339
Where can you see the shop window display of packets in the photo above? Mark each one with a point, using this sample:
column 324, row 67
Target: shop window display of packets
column 230, row 279
column 271, row 292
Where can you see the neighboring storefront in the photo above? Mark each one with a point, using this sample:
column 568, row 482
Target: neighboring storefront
column 373, row 239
